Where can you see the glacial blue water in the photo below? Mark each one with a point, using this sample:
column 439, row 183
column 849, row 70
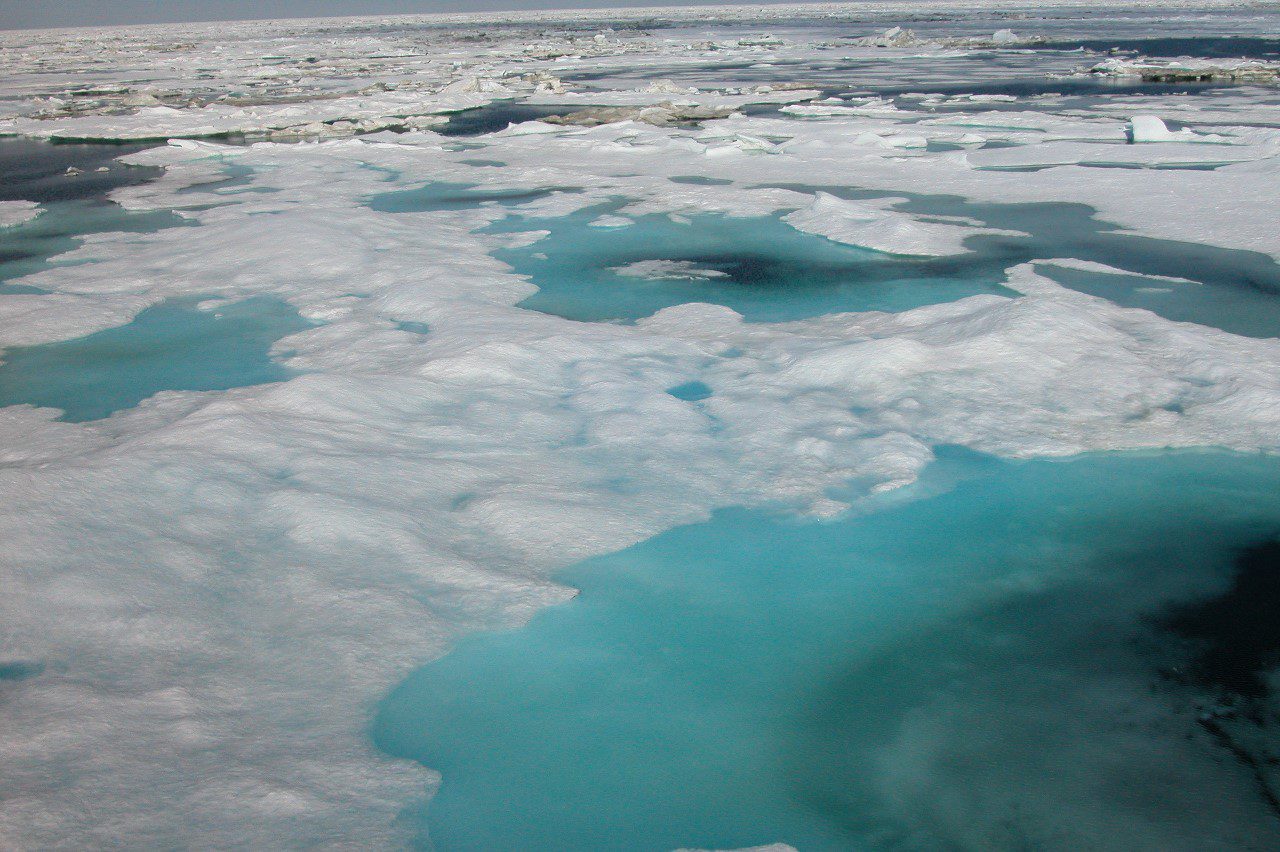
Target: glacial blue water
column 767, row 270
column 975, row 663
column 691, row 391
column 171, row 346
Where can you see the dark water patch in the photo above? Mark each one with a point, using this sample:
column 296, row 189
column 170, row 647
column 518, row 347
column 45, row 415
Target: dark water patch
column 1230, row 659
column 1020, row 82
column 1236, row 633
column 457, row 196
column 763, row 110
column 413, row 327
column 498, row 115
column 1155, row 167
column 34, row 170
column 699, row 180
column 933, row 146
column 74, row 204
column 483, row 164
column 1023, row 169
column 1207, row 47
column 1040, row 87
column 171, row 346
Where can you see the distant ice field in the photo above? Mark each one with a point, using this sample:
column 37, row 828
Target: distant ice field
column 830, row 426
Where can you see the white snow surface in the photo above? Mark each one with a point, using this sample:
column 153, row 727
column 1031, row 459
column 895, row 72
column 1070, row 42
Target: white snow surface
column 17, row 212
column 872, row 227
column 220, row 586
column 1150, row 128
column 668, row 269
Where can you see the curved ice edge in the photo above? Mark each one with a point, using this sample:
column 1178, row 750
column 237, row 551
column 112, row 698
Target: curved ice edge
column 17, row 212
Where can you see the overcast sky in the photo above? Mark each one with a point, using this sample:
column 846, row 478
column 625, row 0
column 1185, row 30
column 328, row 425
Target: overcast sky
column 16, row 14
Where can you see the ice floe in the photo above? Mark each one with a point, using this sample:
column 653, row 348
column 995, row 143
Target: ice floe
column 16, row 212
column 1190, row 70
column 677, row 269
column 877, row 228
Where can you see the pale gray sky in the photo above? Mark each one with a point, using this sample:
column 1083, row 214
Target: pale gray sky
column 17, row 14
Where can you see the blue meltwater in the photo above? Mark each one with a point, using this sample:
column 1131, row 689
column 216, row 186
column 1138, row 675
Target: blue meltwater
column 980, row 661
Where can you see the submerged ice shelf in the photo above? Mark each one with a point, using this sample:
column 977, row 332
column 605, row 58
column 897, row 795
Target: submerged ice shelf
column 891, row 679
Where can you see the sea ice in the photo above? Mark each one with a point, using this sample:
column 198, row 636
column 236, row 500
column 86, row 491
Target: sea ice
column 1149, row 128
column 231, row 579
column 876, row 228
column 16, row 212
column 678, row 269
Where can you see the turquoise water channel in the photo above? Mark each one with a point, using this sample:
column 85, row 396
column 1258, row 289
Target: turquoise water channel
column 983, row 662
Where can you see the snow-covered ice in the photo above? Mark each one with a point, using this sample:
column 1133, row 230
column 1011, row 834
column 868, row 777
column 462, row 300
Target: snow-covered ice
column 1149, row 128
column 876, row 228
column 16, row 212
column 668, row 269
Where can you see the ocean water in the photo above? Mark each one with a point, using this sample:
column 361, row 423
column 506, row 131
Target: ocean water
column 1220, row 47
column 497, row 115
column 37, row 171
column 995, row 659
column 172, row 346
